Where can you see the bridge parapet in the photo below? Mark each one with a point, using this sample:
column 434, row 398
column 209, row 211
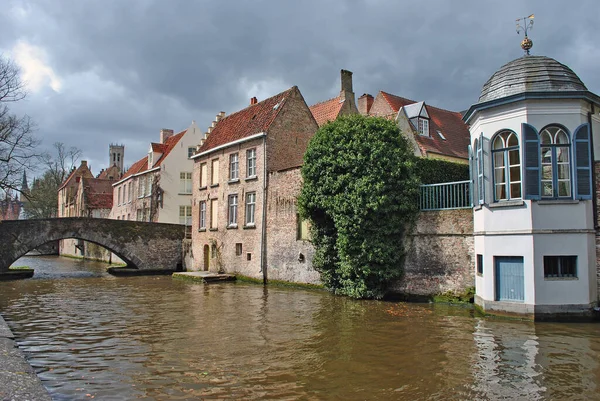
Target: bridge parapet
column 145, row 246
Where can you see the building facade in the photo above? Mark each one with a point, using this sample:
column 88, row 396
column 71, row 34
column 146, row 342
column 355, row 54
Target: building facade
column 158, row 187
column 239, row 195
column 534, row 218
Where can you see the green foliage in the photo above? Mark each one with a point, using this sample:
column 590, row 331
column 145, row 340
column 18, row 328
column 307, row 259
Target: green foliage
column 360, row 194
column 434, row 171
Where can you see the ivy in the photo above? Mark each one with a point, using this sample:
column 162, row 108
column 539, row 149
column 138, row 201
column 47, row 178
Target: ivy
column 360, row 194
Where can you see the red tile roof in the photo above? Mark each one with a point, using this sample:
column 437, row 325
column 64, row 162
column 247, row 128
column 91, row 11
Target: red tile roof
column 252, row 120
column 326, row 111
column 98, row 193
column 165, row 148
column 449, row 123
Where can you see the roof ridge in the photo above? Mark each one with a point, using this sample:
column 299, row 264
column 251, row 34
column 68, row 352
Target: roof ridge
column 325, row 101
column 384, row 93
column 256, row 104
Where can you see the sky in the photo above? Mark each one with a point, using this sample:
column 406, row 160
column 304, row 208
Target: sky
column 117, row 71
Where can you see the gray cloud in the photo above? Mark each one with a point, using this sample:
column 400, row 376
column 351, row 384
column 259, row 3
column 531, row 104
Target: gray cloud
column 129, row 68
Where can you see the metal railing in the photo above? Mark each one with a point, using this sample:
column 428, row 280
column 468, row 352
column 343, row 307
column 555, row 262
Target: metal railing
column 447, row 195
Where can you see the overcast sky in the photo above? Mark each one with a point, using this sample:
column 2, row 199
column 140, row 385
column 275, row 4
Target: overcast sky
column 119, row 71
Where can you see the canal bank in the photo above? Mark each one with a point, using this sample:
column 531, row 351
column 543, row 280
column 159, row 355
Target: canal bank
column 18, row 380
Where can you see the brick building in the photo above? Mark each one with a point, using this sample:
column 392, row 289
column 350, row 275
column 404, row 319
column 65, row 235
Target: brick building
column 245, row 182
column 345, row 103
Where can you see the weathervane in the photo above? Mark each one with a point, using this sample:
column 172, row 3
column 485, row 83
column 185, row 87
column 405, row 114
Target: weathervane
column 527, row 43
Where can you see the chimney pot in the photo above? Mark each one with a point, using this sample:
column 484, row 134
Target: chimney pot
column 364, row 104
column 165, row 134
column 253, row 100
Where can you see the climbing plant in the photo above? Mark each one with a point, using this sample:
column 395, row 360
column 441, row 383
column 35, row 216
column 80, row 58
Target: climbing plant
column 360, row 195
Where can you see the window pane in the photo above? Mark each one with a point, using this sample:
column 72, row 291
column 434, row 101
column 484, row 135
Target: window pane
column 498, row 142
column 500, row 191
column 546, row 155
column 547, row 188
column 561, row 137
column 564, row 188
column 512, row 140
column 563, row 171
column 513, row 157
column 515, row 191
column 515, row 174
column 547, row 172
column 546, row 138
column 562, row 154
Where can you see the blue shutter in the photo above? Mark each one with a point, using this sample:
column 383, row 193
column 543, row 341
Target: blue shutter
column 472, row 175
column 480, row 171
column 583, row 162
column 531, row 162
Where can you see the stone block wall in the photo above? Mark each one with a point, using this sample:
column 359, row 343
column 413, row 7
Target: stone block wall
column 288, row 258
column 440, row 255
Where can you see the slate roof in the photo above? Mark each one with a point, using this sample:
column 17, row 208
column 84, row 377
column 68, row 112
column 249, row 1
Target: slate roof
column 142, row 164
column 449, row 123
column 530, row 74
column 252, row 120
column 326, row 111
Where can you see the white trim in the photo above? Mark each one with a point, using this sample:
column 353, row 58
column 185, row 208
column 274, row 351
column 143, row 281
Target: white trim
column 237, row 141
column 136, row 175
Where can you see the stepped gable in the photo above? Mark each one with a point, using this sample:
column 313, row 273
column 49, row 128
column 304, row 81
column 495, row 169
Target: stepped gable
column 327, row 110
column 252, row 120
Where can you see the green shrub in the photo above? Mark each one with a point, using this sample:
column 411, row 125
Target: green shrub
column 435, row 171
column 360, row 193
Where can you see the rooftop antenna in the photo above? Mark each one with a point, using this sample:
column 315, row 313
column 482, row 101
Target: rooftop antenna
column 525, row 24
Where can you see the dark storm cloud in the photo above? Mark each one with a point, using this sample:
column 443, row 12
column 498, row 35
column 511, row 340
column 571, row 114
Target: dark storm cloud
column 129, row 68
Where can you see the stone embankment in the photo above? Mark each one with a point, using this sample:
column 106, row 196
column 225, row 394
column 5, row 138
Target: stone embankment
column 18, row 380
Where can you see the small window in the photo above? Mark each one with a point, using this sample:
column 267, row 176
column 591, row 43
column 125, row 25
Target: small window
column 251, row 163
column 480, row 264
column 248, row 256
column 250, row 208
column 232, row 214
column 238, row 249
column 203, row 175
column 185, row 215
column 234, row 167
column 213, row 251
column 202, row 214
column 214, row 214
column 185, row 183
column 302, row 229
column 423, row 126
column 560, row 266
column 191, row 151
column 214, row 172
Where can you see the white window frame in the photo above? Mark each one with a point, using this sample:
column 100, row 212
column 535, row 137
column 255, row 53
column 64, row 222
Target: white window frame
column 423, row 126
column 251, row 163
column 185, row 215
column 234, row 167
column 232, row 210
column 202, row 222
column 250, row 216
column 185, row 182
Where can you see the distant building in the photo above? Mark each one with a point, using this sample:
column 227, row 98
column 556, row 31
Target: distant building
column 535, row 214
column 158, row 187
column 245, row 183
column 82, row 195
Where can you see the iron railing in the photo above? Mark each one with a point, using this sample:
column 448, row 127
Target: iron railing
column 447, row 195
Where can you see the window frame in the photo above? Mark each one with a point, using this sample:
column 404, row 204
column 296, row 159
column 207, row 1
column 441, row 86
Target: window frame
column 185, row 182
column 479, row 264
column 423, row 126
column 506, row 167
column 214, row 177
column 554, row 163
column 186, row 217
column 232, row 210
column 560, row 260
column 190, row 152
column 202, row 215
column 234, row 167
column 250, row 210
column 251, row 170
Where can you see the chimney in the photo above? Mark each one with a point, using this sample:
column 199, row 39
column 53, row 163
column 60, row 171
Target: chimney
column 253, row 100
column 165, row 134
column 364, row 104
column 83, row 163
column 346, row 90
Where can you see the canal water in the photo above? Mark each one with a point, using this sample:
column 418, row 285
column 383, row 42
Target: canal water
column 93, row 336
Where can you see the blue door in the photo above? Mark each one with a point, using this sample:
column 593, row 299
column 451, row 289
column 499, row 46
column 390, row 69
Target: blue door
column 510, row 285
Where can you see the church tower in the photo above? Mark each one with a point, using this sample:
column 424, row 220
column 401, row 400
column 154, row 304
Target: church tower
column 116, row 154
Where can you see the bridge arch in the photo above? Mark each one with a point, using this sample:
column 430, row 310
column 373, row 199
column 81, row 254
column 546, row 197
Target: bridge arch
column 145, row 246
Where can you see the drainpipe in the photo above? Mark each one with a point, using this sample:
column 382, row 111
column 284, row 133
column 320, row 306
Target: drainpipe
column 263, row 234
column 594, row 199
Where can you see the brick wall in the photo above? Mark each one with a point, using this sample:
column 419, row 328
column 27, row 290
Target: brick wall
column 439, row 254
column 380, row 107
column 288, row 258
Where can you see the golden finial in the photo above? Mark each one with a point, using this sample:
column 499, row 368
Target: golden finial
column 526, row 43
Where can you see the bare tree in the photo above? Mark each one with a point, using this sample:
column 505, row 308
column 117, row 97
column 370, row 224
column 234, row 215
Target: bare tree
column 60, row 164
column 17, row 142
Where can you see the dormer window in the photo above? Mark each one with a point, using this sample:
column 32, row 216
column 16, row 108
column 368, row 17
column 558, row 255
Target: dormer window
column 423, row 126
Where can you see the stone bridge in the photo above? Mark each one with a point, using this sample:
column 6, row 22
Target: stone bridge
column 145, row 246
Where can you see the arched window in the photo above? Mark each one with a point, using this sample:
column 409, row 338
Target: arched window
column 556, row 168
column 507, row 166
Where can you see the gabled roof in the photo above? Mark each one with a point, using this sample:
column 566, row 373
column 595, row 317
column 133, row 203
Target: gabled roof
column 449, row 123
column 141, row 165
column 396, row 102
column 254, row 119
column 456, row 132
column 82, row 171
column 158, row 147
column 326, row 111
column 98, row 193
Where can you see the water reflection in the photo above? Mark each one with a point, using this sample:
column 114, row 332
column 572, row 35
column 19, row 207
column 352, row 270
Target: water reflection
column 161, row 339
